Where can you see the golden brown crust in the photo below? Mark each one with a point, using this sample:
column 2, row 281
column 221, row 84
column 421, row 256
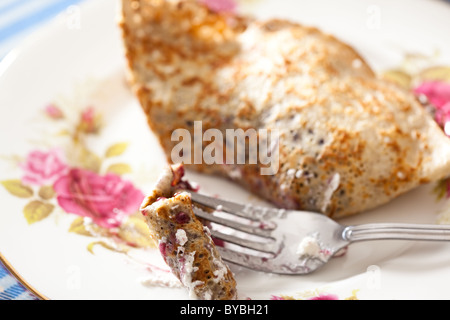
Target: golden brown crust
column 349, row 141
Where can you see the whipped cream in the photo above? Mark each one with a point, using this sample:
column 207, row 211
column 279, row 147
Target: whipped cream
column 310, row 247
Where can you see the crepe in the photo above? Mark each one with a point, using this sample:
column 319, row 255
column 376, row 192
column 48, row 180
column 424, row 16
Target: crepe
column 184, row 242
column 347, row 141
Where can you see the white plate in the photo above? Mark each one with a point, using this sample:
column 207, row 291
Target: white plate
column 74, row 66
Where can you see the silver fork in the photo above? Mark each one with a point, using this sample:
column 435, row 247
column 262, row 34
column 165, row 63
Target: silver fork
column 293, row 242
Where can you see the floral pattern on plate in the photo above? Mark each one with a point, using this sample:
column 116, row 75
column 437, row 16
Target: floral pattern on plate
column 317, row 295
column 104, row 203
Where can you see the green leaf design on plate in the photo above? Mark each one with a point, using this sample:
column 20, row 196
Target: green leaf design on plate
column 440, row 189
column 37, row 210
column 116, row 150
column 17, row 188
column 119, row 168
column 436, row 74
column 115, row 248
column 135, row 232
column 399, row 77
column 81, row 227
column 87, row 159
column 46, row 192
column 78, row 227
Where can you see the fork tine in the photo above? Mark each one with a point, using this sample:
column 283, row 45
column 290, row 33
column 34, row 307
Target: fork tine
column 245, row 260
column 259, row 231
column 245, row 211
column 217, row 204
column 269, row 247
column 262, row 264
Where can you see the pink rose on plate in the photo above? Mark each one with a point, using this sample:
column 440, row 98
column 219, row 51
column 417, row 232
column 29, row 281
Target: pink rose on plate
column 107, row 199
column 438, row 93
column 43, row 167
column 89, row 121
column 225, row 6
column 54, row 112
column 325, row 297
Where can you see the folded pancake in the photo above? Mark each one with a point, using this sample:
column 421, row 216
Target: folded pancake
column 348, row 141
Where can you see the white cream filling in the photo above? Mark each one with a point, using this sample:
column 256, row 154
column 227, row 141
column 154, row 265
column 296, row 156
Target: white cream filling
column 181, row 237
column 310, row 247
column 188, row 271
column 162, row 280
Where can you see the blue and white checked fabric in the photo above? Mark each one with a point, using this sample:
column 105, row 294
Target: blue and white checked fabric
column 11, row 289
column 19, row 18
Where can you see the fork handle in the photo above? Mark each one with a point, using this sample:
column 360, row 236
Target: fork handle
column 396, row 231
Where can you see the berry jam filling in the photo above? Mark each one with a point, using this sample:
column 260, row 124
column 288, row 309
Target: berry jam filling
column 178, row 183
column 162, row 248
column 182, row 218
